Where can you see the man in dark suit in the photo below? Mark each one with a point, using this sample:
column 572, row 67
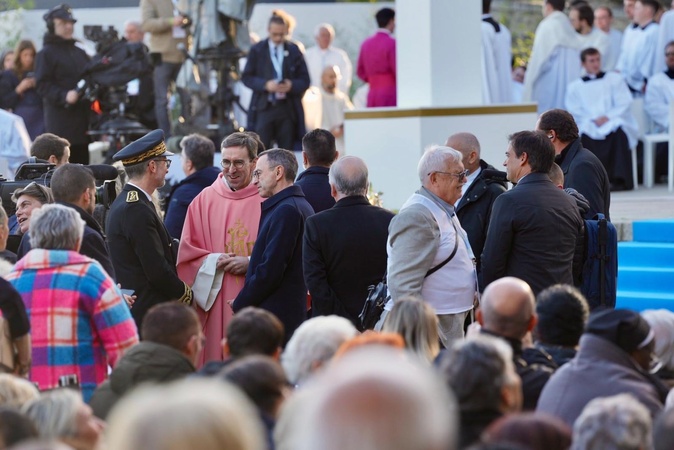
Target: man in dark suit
column 344, row 248
column 140, row 245
column 274, row 278
column 582, row 169
column 74, row 185
column 278, row 76
column 534, row 227
column 318, row 153
column 479, row 193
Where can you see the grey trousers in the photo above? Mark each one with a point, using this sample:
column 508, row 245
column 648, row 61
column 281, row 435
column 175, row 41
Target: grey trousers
column 450, row 327
column 164, row 74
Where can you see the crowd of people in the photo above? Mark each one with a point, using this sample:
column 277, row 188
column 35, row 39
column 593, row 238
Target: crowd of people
column 232, row 318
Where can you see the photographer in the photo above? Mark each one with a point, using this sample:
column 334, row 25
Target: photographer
column 60, row 65
column 163, row 20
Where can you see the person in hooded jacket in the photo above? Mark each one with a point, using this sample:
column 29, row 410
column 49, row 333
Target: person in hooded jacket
column 172, row 341
column 59, row 68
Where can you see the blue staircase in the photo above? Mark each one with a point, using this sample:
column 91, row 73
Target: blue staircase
column 646, row 267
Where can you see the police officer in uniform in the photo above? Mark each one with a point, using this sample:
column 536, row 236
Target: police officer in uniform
column 141, row 248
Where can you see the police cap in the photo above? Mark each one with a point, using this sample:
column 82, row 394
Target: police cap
column 149, row 146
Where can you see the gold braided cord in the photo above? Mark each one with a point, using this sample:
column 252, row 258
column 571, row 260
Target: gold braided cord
column 156, row 151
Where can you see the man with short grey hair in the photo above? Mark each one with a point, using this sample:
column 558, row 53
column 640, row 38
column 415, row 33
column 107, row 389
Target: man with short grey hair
column 313, row 345
column 341, row 257
column 619, row 422
column 74, row 295
column 197, row 158
column 480, row 372
column 274, row 278
column 429, row 254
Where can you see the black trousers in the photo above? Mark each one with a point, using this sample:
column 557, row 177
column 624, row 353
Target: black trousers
column 275, row 124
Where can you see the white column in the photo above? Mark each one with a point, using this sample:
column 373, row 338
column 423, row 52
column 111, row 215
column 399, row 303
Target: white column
column 438, row 53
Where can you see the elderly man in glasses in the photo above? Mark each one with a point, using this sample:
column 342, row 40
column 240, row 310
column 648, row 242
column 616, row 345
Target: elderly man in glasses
column 218, row 236
column 429, row 254
column 534, row 227
column 141, row 248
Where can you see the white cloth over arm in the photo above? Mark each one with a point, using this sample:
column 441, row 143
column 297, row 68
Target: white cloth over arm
column 659, row 95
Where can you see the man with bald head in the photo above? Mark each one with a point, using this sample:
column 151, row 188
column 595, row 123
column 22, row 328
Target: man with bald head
column 341, row 257
column 508, row 310
column 477, row 195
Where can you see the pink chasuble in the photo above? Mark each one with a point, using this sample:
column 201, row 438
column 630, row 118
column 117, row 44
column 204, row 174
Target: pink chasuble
column 219, row 220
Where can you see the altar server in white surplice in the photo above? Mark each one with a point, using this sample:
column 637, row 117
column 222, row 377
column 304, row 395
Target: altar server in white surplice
column 603, row 19
column 600, row 104
column 665, row 36
column 637, row 55
column 660, row 93
column 555, row 59
column 323, row 55
column 582, row 19
column 496, row 59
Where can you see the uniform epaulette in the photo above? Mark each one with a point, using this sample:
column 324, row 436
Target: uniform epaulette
column 132, row 196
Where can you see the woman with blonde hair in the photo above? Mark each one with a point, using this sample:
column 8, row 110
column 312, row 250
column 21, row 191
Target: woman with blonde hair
column 194, row 413
column 416, row 322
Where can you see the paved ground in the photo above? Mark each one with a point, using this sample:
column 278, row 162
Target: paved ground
column 642, row 204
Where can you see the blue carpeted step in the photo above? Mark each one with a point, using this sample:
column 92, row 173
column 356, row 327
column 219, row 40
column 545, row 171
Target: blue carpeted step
column 640, row 301
column 645, row 254
column 646, row 279
column 653, row 230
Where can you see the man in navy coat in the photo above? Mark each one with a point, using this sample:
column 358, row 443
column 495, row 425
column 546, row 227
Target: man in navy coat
column 278, row 76
column 274, row 280
column 318, row 152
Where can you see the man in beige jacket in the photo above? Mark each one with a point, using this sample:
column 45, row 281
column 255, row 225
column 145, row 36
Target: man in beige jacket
column 166, row 24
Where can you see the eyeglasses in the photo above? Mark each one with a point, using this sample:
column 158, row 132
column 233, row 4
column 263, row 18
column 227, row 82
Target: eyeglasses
column 238, row 164
column 669, row 54
column 167, row 161
column 460, row 175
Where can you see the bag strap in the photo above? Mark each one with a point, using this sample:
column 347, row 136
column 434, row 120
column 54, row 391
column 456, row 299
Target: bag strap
column 449, row 258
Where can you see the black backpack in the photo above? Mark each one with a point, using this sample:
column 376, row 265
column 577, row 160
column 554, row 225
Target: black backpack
column 600, row 267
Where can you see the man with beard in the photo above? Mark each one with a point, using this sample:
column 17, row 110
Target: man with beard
column 140, row 245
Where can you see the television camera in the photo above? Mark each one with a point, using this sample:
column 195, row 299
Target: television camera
column 39, row 171
column 105, row 83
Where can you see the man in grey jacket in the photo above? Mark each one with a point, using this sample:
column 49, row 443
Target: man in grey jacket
column 429, row 255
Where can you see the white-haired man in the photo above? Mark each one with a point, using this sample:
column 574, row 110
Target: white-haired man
column 428, row 252
column 323, row 55
column 313, row 345
column 408, row 407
